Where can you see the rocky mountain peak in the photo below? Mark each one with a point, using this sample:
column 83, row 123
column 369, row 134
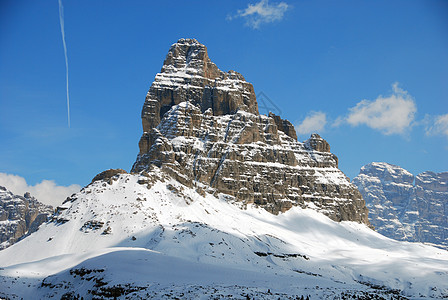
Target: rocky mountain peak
column 188, row 74
column 201, row 126
column 190, row 56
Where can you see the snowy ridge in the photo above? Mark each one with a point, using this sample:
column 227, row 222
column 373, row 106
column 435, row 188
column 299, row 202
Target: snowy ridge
column 178, row 240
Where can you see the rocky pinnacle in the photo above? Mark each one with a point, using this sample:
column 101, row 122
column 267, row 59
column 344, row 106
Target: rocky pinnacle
column 202, row 127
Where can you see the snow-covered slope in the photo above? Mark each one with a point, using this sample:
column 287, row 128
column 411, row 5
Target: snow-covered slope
column 145, row 236
column 403, row 206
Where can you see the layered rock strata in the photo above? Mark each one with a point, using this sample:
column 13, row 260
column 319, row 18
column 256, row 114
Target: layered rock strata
column 202, row 126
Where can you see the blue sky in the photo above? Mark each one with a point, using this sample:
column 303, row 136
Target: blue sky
column 370, row 76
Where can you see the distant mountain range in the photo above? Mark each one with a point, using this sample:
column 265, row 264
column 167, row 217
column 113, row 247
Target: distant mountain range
column 403, row 206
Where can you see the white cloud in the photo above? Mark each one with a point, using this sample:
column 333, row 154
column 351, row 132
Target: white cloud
column 46, row 191
column 437, row 125
column 338, row 122
column 314, row 123
column 390, row 115
column 262, row 12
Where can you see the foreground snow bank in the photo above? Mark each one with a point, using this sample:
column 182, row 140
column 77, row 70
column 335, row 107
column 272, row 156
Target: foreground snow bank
column 137, row 236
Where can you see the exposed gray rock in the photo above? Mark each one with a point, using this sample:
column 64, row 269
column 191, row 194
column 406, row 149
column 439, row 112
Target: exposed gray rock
column 19, row 216
column 403, row 206
column 202, row 127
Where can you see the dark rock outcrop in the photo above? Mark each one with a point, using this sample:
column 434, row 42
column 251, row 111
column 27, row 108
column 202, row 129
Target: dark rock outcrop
column 108, row 174
column 19, row 216
column 202, row 127
column 403, row 206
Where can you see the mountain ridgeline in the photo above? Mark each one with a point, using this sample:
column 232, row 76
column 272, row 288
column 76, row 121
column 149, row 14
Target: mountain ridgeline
column 201, row 126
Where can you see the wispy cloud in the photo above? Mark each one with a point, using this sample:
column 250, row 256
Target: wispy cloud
column 436, row 125
column 47, row 191
column 261, row 12
column 390, row 115
column 313, row 123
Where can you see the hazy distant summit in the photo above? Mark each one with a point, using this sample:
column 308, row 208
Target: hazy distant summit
column 403, row 206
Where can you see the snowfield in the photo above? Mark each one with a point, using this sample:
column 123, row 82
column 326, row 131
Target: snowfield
column 137, row 237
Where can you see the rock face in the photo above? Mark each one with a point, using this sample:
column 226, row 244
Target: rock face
column 202, row 126
column 19, row 216
column 403, row 206
column 189, row 75
column 108, row 174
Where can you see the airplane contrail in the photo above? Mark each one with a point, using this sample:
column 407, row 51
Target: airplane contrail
column 61, row 21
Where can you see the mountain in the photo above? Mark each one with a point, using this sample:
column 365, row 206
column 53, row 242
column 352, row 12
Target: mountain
column 19, row 216
column 202, row 126
column 221, row 203
column 403, row 206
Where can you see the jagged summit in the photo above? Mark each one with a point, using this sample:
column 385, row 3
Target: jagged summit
column 192, row 57
column 188, row 74
column 202, row 126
